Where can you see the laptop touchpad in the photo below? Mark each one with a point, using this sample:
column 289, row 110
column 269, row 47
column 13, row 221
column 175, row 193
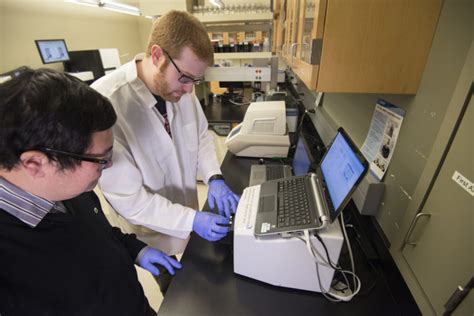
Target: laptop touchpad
column 268, row 203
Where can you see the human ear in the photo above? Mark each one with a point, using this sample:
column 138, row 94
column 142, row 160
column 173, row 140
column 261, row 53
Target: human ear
column 34, row 163
column 156, row 54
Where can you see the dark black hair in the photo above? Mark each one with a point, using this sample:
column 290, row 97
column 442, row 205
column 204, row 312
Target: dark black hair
column 45, row 108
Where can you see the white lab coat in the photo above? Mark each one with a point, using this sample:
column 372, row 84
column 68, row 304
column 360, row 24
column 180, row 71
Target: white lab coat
column 152, row 183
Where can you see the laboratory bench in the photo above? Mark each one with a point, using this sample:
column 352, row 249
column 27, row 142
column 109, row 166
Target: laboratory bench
column 223, row 111
column 207, row 284
column 222, row 115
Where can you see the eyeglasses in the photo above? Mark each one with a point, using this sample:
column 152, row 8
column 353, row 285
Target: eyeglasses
column 184, row 79
column 105, row 161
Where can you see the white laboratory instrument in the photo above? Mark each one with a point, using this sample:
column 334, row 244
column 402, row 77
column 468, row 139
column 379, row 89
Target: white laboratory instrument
column 281, row 261
column 261, row 74
column 263, row 133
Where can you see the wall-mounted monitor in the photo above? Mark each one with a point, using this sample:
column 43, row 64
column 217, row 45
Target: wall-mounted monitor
column 52, row 50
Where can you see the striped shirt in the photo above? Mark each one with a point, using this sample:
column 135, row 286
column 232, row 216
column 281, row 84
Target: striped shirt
column 31, row 209
column 27, row 207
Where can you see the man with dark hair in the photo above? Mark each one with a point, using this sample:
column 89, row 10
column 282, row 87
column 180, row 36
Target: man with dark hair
column 58, row 253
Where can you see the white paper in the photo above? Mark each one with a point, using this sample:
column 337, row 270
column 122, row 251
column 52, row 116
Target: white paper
column 381, row 139
column 463, row 182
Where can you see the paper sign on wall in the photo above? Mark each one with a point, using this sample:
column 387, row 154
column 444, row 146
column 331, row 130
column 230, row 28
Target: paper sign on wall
column 382, row 137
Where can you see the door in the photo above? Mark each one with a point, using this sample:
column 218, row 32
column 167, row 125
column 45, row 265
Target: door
column 439, row 247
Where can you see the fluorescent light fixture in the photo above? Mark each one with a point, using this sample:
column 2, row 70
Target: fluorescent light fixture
column 119, row 7
column 217, row 3
column 109, row 5
column 89, row 3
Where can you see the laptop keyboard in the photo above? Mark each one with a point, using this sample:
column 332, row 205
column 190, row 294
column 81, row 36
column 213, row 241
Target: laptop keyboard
column 293, row 205
column 274, row 172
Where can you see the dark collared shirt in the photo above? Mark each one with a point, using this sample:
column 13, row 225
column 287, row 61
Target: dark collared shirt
column 30, row 208
column 27, row 207
column 161, row 107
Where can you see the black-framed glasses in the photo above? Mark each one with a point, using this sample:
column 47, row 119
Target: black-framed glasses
column 101, row 161
column 184, row 79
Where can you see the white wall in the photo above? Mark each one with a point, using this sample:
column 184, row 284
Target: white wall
column 2, row 22
column 82, row 27
column 144, row 28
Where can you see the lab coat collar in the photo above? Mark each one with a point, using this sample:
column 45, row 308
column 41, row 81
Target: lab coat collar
column 142, row 92
column 147, row 99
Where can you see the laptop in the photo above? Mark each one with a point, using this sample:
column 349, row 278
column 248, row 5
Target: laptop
column 302, row 162
column 314, row 200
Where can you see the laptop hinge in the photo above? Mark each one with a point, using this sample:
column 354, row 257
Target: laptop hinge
column 320, row 203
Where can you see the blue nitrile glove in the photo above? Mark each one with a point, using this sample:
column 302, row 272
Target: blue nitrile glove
column 151, row 256
column 219, row 193
column 208, row 226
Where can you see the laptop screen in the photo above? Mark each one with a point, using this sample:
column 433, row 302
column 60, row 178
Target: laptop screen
column 341, row 169
column 302, row 158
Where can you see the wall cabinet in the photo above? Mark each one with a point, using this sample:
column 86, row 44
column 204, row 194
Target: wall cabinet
column 362, row 46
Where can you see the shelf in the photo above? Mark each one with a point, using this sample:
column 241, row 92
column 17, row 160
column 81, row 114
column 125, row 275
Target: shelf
column 235, row 17
column 250, row 55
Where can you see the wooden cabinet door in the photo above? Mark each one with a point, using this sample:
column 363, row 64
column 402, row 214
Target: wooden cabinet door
column 281, row 29
column 291, row 29
column 376, row 46
column 369, row 46
column 312, row 16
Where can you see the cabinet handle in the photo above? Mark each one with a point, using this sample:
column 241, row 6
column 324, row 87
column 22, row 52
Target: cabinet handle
column 412, row 227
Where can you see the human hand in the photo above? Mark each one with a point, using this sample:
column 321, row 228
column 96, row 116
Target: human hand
column 220, row 194
column 210, row 226
column 152, row 255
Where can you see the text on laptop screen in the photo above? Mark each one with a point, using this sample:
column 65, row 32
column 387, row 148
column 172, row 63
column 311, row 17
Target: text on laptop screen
column 301, row 159
column 341, row 169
